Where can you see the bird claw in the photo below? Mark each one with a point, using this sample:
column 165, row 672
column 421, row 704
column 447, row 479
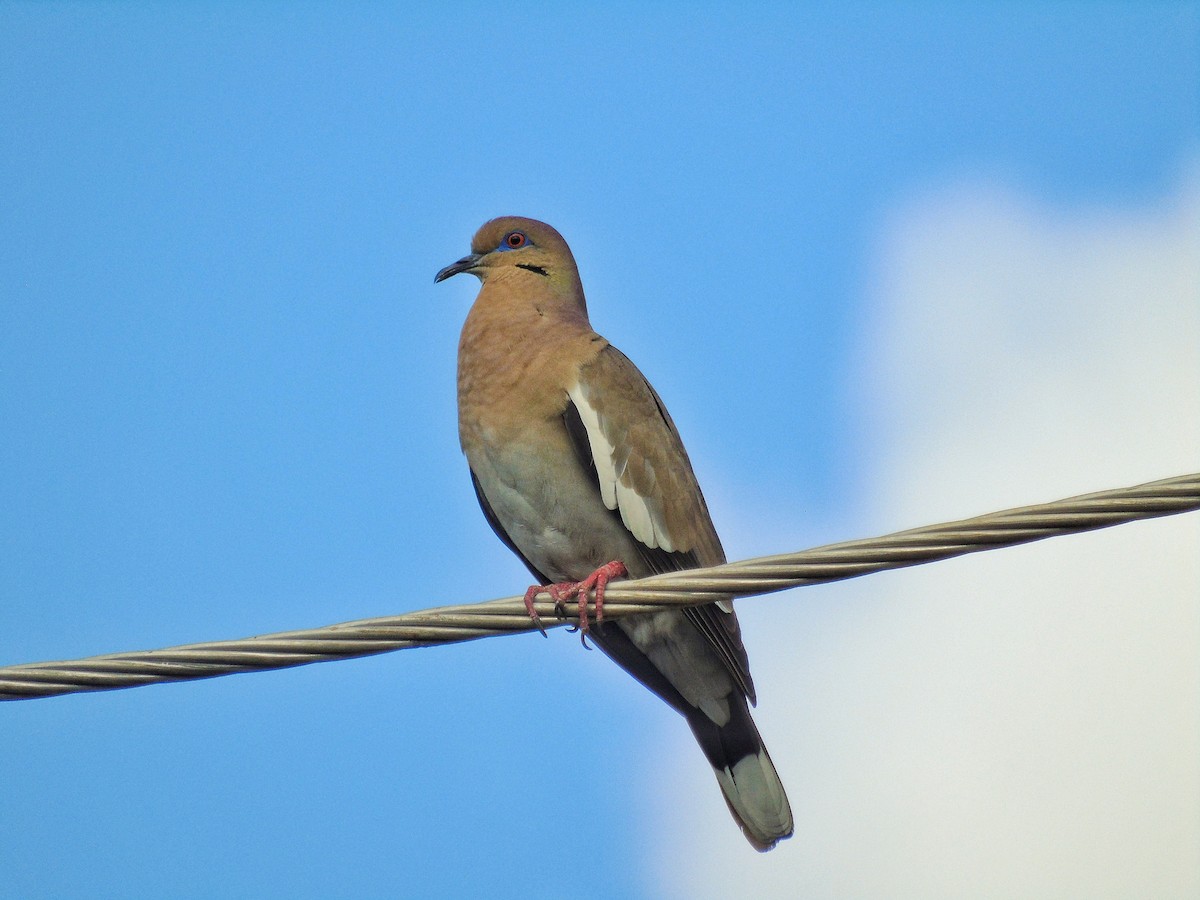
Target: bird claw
column 564, row 591
column 530, row 596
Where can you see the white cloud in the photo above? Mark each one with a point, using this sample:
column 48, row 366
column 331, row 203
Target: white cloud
column 1023, row 722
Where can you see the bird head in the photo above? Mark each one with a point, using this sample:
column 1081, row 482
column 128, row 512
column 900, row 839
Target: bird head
column 516, row 247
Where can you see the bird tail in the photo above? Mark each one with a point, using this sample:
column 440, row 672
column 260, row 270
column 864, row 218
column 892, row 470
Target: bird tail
column 747, row 777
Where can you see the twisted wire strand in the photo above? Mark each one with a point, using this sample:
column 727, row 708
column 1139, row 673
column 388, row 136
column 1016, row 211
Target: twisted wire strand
column 451, row 624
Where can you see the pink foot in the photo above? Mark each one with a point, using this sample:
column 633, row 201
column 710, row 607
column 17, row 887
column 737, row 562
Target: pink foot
column 530, row 596
column 565, row 590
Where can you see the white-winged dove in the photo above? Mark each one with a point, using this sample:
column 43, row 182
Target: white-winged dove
column 581, row 473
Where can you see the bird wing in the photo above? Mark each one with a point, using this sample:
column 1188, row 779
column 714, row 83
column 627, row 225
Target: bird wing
column 625, row 437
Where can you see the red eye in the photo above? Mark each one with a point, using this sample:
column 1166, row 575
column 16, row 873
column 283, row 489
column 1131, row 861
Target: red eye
column 515, row 239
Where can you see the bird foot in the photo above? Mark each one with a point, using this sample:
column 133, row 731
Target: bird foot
column 563, row 591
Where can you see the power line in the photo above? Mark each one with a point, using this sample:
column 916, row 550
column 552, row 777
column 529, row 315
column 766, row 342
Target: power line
column 450, row 624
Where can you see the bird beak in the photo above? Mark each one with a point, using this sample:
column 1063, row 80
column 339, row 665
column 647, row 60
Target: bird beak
column 466, row 264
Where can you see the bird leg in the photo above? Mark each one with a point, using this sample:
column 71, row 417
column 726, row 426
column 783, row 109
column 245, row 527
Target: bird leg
column 563, row 591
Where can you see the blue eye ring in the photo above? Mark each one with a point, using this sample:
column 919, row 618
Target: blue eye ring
column 514, row 240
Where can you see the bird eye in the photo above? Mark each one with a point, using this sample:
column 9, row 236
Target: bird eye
column 514, row 239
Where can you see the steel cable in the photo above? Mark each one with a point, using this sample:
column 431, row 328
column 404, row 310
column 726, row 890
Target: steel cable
column 450, row 624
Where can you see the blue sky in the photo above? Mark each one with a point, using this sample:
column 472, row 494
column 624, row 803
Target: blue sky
column 226, row 389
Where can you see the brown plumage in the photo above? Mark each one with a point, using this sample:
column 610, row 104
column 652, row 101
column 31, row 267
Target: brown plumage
column 577, row 463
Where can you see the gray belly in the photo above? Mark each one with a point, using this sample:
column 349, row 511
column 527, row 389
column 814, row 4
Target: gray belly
column 550, row 506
